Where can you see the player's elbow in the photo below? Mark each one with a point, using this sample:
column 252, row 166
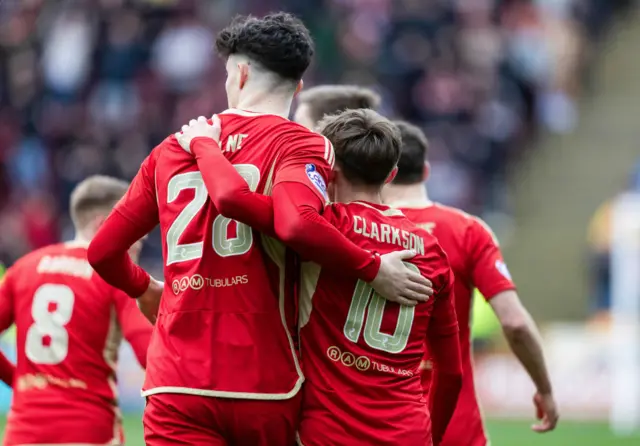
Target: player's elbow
column 515, row 320
column 290, row 230
column 96, row 256
column 516, row 329
column 226, row 203
column 100, row 256
column 454, row 375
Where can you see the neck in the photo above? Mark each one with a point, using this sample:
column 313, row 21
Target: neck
column 266, row 101
column 409, row 193
column 350, row 192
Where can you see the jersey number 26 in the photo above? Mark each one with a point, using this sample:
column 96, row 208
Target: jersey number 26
column 222, row 244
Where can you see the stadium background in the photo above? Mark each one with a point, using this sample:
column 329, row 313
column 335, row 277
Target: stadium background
column 529, row 106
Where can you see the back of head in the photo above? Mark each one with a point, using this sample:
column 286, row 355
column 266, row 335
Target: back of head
column 366, row 145
column 278, row 43
column 323, row 100
column 413, row 155
column 94, row 197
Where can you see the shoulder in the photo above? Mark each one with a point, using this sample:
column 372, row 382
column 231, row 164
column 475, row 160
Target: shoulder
column 301, row 137
column 338, row 214
column 479, row 229
column 431, row 259
column 38, row 254
column 167, row 144
column 464, row 223
column 452, row 215
column 26, row 264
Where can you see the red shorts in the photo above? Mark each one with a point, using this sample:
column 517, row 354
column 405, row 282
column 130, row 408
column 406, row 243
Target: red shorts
column 179, row 419
column 57, row 426
column 329, row 420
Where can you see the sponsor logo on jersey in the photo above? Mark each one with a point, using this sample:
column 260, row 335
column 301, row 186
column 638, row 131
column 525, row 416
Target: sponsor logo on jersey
column 363, row 363
column 316, row 179
column 502, row 269
column 197, row 282
column 41, row 381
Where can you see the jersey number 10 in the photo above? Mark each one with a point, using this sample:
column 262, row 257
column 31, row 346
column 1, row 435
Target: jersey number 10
column 222, row 244
column 365, row 297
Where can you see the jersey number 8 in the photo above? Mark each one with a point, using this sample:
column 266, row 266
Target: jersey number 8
column 222, row 244
column 365, row 297
column 47, row 338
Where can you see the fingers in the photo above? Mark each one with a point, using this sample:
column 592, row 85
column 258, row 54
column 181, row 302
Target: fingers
column 420, row 283
column 545, row 426
column 547, row 415
column 202, row 119
column 405, row 254
column 415, row 296
column 421, row 290
column 192, row 122
column 185, row 128
column 405, row 301
column 215, row 121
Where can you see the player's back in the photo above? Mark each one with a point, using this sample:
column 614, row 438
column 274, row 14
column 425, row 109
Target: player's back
column 361, row 353
column 476, row 262
column 451, row 227
column 68, row 336
column 228, row 292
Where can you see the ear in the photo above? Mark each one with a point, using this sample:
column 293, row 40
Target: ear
column 426, row 171
column 392, row 175
column 98, row 220
column 299, row 88
column 243, row 68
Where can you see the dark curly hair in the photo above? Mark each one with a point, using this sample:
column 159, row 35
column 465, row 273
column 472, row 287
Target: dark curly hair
column 278, row 42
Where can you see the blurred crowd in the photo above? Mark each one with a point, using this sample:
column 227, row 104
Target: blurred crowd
column 91, row 86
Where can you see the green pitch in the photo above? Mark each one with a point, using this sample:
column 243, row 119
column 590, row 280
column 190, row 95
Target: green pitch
column 503, row 433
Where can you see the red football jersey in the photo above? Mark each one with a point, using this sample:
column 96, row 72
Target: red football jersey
column 476, row 262
column 227, row 315
column 69, row 325
column 362, row 354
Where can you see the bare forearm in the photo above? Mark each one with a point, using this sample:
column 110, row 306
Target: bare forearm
column 526, row 343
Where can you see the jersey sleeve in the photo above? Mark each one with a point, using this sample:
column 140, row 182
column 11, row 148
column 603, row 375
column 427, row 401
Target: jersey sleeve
column 136, row 329
column 6, row 300
column 300, row 194
column 135, row 215
column 489, row 272
column 7, row 369
column 308, row 159
column 140, row 204
column 443, row 318
column 229, row 192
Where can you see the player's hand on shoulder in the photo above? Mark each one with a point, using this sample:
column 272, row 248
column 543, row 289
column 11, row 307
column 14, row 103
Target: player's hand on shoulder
column 397, row 283
column 199, row 128
column 546, row 412
column 149, row 301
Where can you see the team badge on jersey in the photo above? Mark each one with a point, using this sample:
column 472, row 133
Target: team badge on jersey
column 316, row 179
column 502, row 268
